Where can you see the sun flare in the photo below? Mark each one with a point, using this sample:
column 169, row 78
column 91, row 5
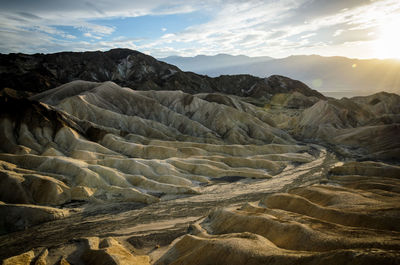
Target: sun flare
column 388, row 45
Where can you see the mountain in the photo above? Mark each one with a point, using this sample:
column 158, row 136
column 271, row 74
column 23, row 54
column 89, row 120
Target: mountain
column 179, row 168
column 335, row 75
column 132, row 69
column 206, row 64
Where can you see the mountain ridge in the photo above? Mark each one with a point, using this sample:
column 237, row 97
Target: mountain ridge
column 218, row 61
column 129, row 68
column 335, row 73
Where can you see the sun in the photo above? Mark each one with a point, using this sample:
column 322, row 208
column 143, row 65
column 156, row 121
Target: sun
column 388, row 44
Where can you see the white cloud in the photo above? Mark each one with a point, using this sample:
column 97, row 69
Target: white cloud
column 69, row 36
column 96, row 29
column 168, row 36
column 94, row 9
column 308, row 35
column 242, row 21
column 90, row 35
column 253, row 27
column 338, row 32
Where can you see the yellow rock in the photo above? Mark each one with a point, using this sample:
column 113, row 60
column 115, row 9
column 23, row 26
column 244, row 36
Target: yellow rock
column 42, row 259
column 111, row 251
column 81, row 193
column 22, row 259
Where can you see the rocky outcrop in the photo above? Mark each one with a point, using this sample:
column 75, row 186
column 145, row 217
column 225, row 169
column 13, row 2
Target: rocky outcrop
column 22, row 259
column 110, row 251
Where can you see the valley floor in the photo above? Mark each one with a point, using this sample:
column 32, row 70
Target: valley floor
column 95, row 173
column 158, row 224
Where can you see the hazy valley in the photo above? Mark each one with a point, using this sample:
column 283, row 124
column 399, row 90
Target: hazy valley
column 118, row 158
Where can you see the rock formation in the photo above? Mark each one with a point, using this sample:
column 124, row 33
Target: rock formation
column 98, row 141
column 142, row 163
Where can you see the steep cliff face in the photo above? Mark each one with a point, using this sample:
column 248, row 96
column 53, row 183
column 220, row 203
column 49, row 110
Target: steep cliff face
column 132, row 69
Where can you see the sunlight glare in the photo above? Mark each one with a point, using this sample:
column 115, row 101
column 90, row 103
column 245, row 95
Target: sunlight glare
column 388, row 45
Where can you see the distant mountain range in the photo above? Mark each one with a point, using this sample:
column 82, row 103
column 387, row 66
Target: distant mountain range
column 211, row 65
column 331, row 75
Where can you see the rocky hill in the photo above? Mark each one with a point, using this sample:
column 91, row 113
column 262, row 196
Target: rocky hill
column 180, row 168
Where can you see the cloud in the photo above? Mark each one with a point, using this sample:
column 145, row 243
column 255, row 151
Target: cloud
column 286, row 38
column 308, row 35
column 91, row 9
column 45, row 18
column 338, row 32
column 90, row 35
column 254, row 27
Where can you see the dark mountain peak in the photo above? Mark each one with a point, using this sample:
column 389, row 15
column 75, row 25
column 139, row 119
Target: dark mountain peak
column 282, row 84
column 40, row 72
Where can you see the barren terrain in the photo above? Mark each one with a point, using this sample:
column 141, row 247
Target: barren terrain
column 272, row 173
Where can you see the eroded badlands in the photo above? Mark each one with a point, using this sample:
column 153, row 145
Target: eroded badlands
column 96, row 173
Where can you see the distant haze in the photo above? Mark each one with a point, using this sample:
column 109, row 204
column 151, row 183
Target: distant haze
column 334, row 76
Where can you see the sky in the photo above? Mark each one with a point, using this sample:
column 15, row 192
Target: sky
column 276, row 28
